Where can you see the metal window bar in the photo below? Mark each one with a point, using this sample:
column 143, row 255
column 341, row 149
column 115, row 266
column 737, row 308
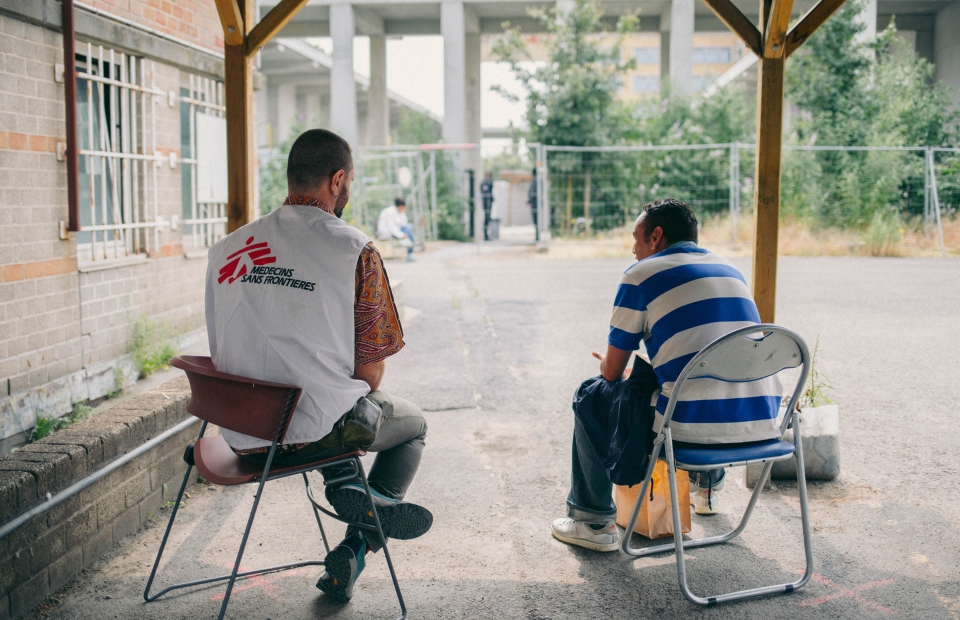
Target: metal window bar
column 121, row 154
column 208, row 220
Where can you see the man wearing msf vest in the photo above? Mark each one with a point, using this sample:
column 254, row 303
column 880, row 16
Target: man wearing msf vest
column 301, row 297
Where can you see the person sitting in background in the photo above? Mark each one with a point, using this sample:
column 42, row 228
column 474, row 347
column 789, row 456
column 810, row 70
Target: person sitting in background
column 393, row 224
column 675, row 300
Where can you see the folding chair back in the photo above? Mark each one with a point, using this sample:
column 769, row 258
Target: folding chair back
column 259, row 409
column 748, row 354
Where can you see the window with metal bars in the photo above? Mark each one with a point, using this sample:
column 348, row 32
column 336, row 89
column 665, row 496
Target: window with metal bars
column 203, row 150
column 118, row 157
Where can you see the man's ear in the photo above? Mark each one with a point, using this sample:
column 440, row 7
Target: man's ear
column 337, row 181
column 656, row 235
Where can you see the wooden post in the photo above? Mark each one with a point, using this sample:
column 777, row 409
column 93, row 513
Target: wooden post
column 238, row 87
column 767, row 176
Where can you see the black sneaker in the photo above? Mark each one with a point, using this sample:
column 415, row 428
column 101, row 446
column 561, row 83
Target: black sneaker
column 343, row 565
column 399, row 520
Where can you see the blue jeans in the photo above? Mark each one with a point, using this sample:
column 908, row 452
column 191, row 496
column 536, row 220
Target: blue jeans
column 591, row 492
column 408, row 230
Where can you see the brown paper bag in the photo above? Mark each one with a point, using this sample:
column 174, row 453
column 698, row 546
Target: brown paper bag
column 656, row 518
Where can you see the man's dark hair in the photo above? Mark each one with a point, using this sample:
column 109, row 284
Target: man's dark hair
column 674, row 217
column 316, row 156
column 399, row 201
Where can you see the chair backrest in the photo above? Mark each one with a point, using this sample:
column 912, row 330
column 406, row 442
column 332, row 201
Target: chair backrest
column 257, row 408
column 748, row 354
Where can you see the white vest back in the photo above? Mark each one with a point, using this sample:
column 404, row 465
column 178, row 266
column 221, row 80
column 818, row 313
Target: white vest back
column 280, row 296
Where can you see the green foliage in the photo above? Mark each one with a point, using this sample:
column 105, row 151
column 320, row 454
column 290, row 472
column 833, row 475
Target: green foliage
column 883, row 234
column 273, row 172
column 815, row 392
column 152, row 347
column 851, row 93
column 47, row 426
column 572, row 98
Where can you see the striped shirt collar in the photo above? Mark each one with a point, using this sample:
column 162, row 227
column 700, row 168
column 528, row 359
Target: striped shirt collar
column 306, row 201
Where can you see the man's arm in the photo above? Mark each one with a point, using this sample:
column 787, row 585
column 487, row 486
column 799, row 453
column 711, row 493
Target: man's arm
column 614, row 363
column 371, row 373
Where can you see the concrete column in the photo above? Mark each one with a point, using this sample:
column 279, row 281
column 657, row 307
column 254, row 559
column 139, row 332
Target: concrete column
column 452, row 27
column 947, row 48
column 473, row 124
column 665, row 44
column 286, row 112
column 868, row 17
column 378, row 106
column 681, row 46
column 343, row 90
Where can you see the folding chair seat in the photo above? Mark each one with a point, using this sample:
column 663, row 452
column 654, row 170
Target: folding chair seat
column 747, row 354
column 260, row 409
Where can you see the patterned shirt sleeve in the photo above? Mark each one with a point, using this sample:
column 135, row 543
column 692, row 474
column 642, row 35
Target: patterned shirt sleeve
column 377, row 330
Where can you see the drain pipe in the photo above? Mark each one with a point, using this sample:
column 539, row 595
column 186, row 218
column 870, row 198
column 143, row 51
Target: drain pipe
column 70, row 105
column 89, row 480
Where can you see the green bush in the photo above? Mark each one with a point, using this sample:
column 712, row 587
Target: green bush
column 152, row 348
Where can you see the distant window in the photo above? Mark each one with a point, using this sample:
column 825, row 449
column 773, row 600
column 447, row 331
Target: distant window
column 646, row 84
column 712, row 55
column 647, row 55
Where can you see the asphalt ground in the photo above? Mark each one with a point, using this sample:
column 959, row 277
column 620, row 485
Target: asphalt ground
column 497, row 341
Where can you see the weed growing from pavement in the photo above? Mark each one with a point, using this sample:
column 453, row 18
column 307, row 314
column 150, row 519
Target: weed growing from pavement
column 152, row 347
column 47, row 426
column 815, row 394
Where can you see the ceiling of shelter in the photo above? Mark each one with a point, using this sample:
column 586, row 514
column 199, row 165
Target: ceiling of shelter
column 402, row 17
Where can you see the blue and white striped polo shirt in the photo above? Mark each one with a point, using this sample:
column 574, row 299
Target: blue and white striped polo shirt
column 677, row 302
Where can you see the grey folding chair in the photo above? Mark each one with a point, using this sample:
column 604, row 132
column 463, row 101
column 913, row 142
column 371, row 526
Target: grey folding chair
column 747, row 354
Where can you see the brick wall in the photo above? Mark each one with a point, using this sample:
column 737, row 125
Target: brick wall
column 48, row 551
column 192, row 20
column 58, row 318
column 39, row 314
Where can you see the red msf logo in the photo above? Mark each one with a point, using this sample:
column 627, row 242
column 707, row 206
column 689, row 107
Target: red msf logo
column 257, row 254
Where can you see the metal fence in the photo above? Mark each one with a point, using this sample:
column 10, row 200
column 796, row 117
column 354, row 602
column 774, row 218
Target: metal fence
column 584, row 189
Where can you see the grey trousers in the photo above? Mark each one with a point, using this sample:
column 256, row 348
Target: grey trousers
column 399, row 446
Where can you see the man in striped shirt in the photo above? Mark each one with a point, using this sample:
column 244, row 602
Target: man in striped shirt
column 675, row 300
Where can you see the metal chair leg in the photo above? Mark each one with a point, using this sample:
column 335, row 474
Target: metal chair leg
column 166, row 535
column 383, row 539
column 316, row 513
column 246, row 531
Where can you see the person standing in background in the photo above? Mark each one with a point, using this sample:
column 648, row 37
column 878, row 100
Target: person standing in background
column 486, row 194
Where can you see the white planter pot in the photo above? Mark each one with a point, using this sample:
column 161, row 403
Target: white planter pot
column 820, row 435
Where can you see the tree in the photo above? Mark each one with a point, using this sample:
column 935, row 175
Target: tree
column 572, row 97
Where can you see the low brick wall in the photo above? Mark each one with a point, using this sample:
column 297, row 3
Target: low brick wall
column 51, row 549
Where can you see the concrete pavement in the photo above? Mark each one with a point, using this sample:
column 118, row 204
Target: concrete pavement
column 502, row 338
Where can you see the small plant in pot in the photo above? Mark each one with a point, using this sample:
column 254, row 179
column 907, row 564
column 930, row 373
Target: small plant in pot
column 820, row 431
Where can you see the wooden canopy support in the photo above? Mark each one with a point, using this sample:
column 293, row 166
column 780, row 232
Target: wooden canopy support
column 242, row 38
column 809, row 23
column 737, row 22
column 773, row 45
column 272, row 23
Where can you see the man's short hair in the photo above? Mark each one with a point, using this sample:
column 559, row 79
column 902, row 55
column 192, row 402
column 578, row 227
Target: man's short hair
column 316, row 156
column 674, row 217
column 399, row 201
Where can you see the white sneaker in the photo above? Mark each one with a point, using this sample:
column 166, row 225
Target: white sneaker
column 705, row 501
column 581, row 534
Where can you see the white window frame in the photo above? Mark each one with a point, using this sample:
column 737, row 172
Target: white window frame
column 130, row 159
column 208, row 220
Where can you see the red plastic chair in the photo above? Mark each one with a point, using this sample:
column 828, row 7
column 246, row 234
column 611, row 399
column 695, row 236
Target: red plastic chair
column 260, row 409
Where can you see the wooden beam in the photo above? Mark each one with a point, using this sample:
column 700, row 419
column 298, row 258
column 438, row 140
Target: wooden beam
column 232, row 21
column 272, row 23
column 767, row 184
column 238, row 87
column 737, row 22
column 775, row 32
column 809, row 23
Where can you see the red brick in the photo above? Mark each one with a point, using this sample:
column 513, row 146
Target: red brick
column 33, row 270
column 18, row 141
column 39, row 143
column 13, row 273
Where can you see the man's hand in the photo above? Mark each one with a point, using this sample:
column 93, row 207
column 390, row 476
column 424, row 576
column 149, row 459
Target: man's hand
column 371, row 373
column 613, row 365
